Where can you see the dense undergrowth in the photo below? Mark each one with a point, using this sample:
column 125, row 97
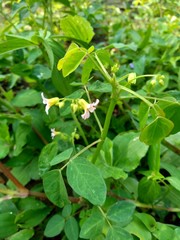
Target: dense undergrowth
column 89, row 120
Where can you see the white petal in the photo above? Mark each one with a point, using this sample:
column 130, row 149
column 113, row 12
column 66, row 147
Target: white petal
column 47, row 108
column 86, row 115
column 92, row 106
column 53, row 134
column 43, row 98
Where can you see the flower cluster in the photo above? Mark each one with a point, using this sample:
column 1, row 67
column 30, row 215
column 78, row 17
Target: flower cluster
column 75, row 105
column 79, row 104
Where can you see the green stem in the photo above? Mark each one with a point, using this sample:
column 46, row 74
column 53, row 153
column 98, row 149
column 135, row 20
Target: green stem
column 80, row 152
column 101, row 68
column 104, row 215
column 80, row 128
column 50, row 16
column 137, row 95
column 154, row 157
column 173, row 148
column 105, row 128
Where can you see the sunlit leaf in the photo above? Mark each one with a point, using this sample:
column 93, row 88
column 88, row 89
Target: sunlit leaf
column 77, row 27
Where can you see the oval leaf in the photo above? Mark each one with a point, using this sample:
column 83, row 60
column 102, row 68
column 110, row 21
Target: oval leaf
column 121, row 212
column 93, row 225
column 86, row 180
column 54, row 188
column 54, row 226
column 71, row 229
column 116, row 233
column 77, row 27
column 62, row 156
column 125, row 154
column 156, row 131
column 7, row 225
column 27, row 98
column 24, row 234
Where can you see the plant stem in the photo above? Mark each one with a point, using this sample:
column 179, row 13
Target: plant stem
column 80, row 152
column 137, row 95
column 154, row 157
column 144, row 205
column 104, row 215
column 171, row 147
column 50, row 16
column 105, row 128
column 80, row 128
column 9, row 175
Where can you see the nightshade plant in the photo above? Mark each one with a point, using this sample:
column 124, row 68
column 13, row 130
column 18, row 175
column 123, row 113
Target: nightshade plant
column 89, row 129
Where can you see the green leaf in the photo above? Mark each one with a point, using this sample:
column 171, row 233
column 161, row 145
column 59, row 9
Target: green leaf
column 65, row 2
column 105, row 162
column 148, row 190
column 125, row 153
column 22, row 174
column 174, row 171
column 137, row 228
column 27, row 98
column 87, row 68
column 71, row 229
column 93, row 225
column 54, row 188
column 86, row 180
column 49, row 52
column 31, row 217
column 77, row 27
column 147, row 220
column 121, row 212
column 177, row 233
column 99, row 86
column 174, row 181
column 111, row 171
column 131, row 46
column 54, row 226
column 40, row 72
column 71, row 60
column 61, row 84
column 143, row 114
column 117, row 233
column 173, row 113
column 21, row 133
column 62, row 156
column 4, row 130
column 67, row 210
column 5, row 148
column 7, row 225
column 156, row 131
column 14, row 44
column 46, row 155
column 30, row 203
column 24, row 234
column 163, row 232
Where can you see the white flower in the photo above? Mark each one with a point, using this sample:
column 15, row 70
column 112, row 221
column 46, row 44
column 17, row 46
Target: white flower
column 88, row 107
column 49, row 102
column 54, row 133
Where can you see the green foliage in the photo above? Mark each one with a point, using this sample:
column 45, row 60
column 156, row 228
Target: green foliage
column 100, row 159
column 86, row 180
